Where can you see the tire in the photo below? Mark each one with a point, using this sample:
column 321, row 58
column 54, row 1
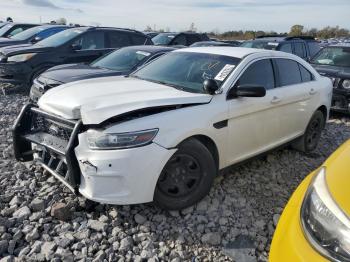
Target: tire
column 187, row 177
column 309, row 141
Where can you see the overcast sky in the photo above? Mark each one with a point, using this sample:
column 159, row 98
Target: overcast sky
column 207, row 15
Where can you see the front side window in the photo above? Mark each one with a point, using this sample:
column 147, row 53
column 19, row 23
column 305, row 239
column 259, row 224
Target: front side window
column 61, row 38
column 123, row 59
column 259, row 73
column 118, row 39
column 91, row 41
column 299, row 49
column 333, row 56
column 15, row 31
column 188, row 70
column 288, row 71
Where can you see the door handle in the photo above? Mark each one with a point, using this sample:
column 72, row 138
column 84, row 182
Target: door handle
column 312, row 91
column 275, row 100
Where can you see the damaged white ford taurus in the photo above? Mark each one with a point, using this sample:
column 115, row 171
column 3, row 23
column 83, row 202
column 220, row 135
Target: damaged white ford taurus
column 163, row 133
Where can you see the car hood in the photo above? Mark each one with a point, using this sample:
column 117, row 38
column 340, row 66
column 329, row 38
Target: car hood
column 338, row 178
column 96, row 100
column 74, row 72
column 23, row 49
column 332, row 71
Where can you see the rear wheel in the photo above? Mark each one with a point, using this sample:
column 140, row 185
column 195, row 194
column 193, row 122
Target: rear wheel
column 187, row 177
column 309, row 141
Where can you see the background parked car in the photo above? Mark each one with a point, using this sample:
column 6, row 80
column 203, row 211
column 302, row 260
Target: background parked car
column 184, row 39
column 151, row 34
column 11, row 29
column 334, row 61
column 32, row 35
column 120, row 62
column 211, row 43
column 19, row 66
column 302, row 46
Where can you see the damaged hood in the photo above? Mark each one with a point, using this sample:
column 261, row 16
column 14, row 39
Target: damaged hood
column 97, row 100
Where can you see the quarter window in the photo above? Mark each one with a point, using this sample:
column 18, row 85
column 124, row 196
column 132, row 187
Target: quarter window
column 288, row 72
column 306, row 76
column 260, row 74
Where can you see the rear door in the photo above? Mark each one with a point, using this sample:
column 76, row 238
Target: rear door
column 93, row 46
column 294, row 93
column 300, row 49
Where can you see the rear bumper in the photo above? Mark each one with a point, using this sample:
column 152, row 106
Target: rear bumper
column 289, row 242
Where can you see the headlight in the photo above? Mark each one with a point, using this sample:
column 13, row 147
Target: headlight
column 325, row 225
column 100, row 140
column 20, row 58
column 346, row 84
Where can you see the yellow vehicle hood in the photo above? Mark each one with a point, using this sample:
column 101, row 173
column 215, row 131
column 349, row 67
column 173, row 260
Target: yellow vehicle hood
column 338, row 176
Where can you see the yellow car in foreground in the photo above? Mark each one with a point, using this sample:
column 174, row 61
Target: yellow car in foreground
column 315, row 225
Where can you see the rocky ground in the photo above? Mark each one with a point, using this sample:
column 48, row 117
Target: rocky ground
column 40, row 220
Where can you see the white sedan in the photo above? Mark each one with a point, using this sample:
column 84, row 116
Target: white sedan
column 163, row 133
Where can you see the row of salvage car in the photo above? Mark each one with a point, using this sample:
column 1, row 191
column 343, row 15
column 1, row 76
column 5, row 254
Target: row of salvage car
column 139, row 125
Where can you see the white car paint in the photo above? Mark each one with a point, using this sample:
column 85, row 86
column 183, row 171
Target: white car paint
column 129, row 176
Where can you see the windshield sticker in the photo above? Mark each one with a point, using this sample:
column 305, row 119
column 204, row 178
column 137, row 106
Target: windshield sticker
column 225, row 71
column 143, row 53
column 274, row 44
column 171, row 36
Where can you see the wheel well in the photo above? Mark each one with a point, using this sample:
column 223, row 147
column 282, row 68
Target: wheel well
column 324, row 111
column 210, row 145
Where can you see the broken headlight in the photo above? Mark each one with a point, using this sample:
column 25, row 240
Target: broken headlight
column 100, row 140
column 325, row 225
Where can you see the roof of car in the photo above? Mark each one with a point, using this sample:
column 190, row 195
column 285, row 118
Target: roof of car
column 239, row 52
column 280, row 38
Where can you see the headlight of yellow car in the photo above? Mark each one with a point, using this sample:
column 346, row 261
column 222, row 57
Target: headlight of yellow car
column 21, row 58
column 325, row 225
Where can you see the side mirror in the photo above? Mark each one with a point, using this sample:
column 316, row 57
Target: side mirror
column 36, row 39
column 248, row 91
column 76, row 47
column 210, row 86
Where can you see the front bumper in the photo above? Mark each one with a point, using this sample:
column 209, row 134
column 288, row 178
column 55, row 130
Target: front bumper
column 127, row 176
column 341, row 100
column 289, row 243
column 15, row 74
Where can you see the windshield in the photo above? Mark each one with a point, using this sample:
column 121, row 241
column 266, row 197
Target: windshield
column 122, row 60
column 256, row 44
column 60, row 38
column 335, row 56
column 5, row 28
column 28, row 33
column 163, row 39
column 187, row 71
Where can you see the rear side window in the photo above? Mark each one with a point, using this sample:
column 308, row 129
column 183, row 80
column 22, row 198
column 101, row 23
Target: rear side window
column 299, row 49
column 118, row 39
column 179, row 40
column 138, row 39
column 314, row 47
column 286, row 48
column 306, row 76
column 259, row 73
column 288, row 72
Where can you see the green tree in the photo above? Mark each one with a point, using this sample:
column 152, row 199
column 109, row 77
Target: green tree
column 296, row 30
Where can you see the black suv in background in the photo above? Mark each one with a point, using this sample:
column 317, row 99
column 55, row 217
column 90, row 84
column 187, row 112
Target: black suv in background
column 180, row 39
column 333, row 61
column 20, row 65
column 32, row 35
column 11, row 29
column 303, row 46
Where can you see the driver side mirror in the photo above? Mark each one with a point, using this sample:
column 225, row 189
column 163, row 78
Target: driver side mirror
column 36, row 39
column 247, row 91
column 76, row 47
column 210, row 86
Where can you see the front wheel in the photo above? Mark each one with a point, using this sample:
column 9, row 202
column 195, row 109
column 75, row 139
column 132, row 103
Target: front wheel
column 309, row 141
column 187, row 177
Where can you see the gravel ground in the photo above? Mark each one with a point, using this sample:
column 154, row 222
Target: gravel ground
column 41, row 220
